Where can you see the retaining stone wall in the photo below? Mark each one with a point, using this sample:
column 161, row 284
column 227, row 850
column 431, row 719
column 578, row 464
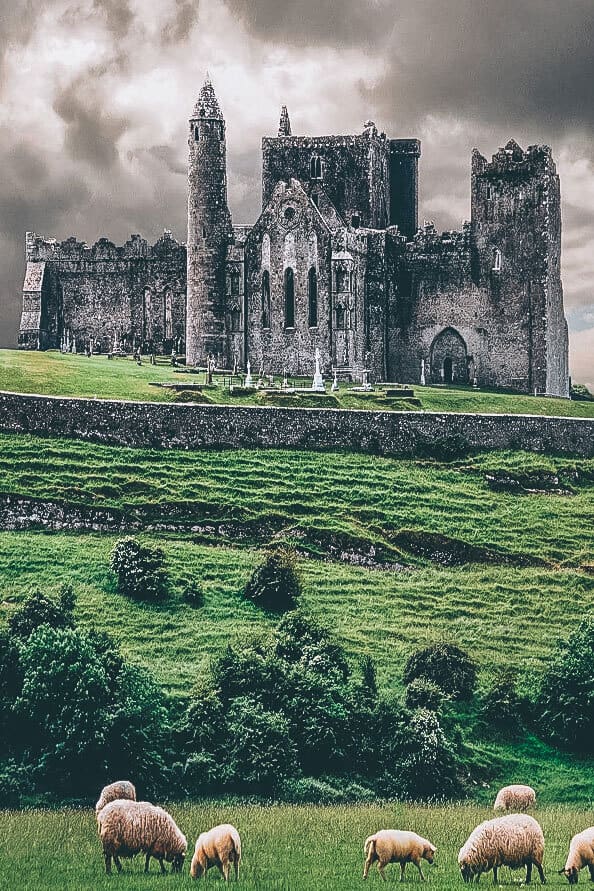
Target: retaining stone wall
column 187, row 426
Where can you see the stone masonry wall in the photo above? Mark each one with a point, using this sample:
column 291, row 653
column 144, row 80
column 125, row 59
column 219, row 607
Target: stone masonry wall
column 158, row 425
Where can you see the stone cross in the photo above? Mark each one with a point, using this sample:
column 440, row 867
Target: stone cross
column 423, row 372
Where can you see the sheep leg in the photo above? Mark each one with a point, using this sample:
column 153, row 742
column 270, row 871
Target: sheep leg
column 226, row 868
column 107, row 863
column 418, row 865
column 495, row 868
column 402, row 867
column 146, row 861
column 381, row 866
column 591, row 868
column 543, row 881
column 116, row 860
column 236, row 865
column 529, row 872
column 162, row 865
column 368, row 862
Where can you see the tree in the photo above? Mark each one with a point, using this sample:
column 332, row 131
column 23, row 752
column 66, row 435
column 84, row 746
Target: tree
column 447, row 666
column 274, row 585
column 502, row 707
column 565, row 698
column 423, row 693
column 140, row 570
column 39, row 609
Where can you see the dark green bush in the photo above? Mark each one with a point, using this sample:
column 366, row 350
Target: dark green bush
column 502, row 707
column 193, row 595
column 565, row 697
column 260, row 751
column 447, row 666
column 139, row 569
column 423, row 693
column 274, row 585
column 39, row 609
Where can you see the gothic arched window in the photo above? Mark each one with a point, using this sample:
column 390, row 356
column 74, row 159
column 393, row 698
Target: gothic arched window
column 497, row 260
column 168, row 316
column 341, row 280
column 266, row 299
column 289, row 283
column 234, row 282
column 312, row 295
column 339, row 316
column 147, row 316
column 315, row 167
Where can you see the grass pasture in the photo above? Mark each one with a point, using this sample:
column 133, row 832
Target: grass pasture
column 55, row 374
column 284, row 848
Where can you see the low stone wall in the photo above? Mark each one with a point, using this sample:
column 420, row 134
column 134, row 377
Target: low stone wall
column 187, row 426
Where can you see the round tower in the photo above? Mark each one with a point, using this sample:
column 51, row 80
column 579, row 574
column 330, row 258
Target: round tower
column 209, row 230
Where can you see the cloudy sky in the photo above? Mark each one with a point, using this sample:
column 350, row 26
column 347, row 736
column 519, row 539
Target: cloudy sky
column 95, row 94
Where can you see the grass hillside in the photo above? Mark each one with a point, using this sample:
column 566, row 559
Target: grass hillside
column 297, row 848
column 56, row 374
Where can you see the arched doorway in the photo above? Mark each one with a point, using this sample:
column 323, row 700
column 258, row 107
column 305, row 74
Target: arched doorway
column 449, row 356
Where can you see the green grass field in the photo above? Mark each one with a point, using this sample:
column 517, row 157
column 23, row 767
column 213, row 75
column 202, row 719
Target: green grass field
column 284, row 848
column 53, row 373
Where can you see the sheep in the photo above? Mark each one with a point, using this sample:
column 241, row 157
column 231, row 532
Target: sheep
column 128, row 827
column 119, row 790
column 397, row 846
column 515, row 799
column 221, row 847
column 581, row 853
column 515, row 841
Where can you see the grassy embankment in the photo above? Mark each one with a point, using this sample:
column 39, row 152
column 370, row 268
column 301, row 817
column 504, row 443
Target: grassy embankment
column 52, row 373
column 296, row 848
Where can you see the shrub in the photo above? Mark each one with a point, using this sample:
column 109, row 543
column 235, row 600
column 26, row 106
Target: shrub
column 140, row 570
column 193, row 595
column 502, row 707
column 565, row 698
column 580, row 391
column 423, row 693
column 428, row 767
column 39, row 609
column 260, row 751
column 274, row 585
column 447, row 666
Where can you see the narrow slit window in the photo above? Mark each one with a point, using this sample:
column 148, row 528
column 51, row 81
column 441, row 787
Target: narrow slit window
column 266, row 299
column 312, row 293
column 289, row 281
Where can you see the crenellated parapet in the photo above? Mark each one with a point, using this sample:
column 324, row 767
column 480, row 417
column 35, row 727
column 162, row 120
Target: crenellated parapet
column 513, row 159
column 39, row 248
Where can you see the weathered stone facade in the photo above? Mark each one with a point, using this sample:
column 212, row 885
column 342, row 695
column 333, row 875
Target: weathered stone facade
column 336, row 262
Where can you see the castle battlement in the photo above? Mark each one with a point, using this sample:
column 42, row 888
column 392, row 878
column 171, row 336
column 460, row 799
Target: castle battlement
column 513, row 159
column 40, row 248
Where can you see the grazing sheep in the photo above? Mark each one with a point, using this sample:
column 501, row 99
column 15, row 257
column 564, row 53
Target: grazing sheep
column 119, row 790
column 220, row 846
column 515, row 799
column 396, row 846
column 515, row 841
column 128, row 827
column 581, row 853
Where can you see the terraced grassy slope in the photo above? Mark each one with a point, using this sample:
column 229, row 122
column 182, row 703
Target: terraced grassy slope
column 502, row 574
column 52, row 373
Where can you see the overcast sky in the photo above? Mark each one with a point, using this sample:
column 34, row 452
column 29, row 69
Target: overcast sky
column 95, row 95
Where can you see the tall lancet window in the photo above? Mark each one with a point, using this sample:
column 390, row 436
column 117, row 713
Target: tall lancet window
column 289, row 282
column 315, row 167
column 312, row 295
column 497, row 260
column 266, row 299
column 168, row 316
column 147, row 316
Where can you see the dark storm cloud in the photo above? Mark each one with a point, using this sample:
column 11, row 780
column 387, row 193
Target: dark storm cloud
column 306, row 22
column 169, row 156
column 92, row 130
column 117, row 15
column 178, row 28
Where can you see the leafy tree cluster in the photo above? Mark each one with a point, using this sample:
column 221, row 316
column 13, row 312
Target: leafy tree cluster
column 73, row 712
column 287, row 709
column 139, row 569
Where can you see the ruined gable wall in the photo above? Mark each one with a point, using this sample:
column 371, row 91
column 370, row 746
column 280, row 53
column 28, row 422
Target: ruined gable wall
column 280, row 348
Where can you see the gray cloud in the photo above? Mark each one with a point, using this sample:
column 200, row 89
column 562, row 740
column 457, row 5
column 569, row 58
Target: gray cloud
column 307, row 22
column 178, row 28
column 92, row 130
column 117, row 15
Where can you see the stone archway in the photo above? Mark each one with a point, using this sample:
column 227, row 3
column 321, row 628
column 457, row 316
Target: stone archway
column 449, row 358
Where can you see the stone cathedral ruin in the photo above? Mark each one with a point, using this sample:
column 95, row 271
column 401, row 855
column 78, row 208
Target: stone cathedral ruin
column 336, row 262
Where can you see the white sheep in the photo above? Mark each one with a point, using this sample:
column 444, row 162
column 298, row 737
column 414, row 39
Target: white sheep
column 515, row 841
column 128, row 827
column 515, row 798
column 118, row 790
column 581, row 853
column 221, row 847
column 396, row 846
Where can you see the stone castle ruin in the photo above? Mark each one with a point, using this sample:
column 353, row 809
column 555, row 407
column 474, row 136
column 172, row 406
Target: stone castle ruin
column 336, row 262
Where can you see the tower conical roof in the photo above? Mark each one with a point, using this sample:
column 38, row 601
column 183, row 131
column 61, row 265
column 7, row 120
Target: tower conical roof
column 284, row 127
column 207, row 104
